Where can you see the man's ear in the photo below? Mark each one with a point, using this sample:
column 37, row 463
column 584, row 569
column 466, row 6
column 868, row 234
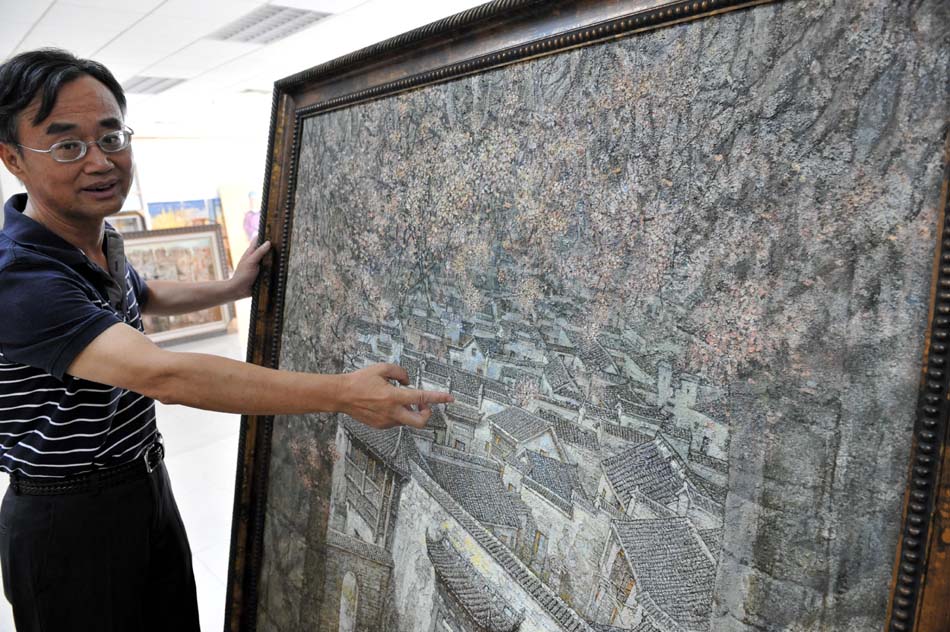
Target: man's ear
column 12, row 159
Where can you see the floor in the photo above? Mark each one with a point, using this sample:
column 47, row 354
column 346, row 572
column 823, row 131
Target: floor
column 201, row 457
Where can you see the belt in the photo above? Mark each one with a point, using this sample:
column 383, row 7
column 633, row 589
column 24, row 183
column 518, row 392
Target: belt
column 98, row 479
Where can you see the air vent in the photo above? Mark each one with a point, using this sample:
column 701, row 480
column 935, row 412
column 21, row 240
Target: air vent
column 150, row 85
column 267, row 24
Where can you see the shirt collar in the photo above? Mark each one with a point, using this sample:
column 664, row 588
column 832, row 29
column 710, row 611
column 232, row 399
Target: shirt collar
column 28, row 232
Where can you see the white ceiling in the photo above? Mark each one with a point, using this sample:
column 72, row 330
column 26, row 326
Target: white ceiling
column 169, row 38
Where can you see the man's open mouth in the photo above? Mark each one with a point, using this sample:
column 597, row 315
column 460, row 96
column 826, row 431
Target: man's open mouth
column 101, row 188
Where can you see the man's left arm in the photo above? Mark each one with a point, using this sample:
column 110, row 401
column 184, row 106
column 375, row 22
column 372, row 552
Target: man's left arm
column 168, row 298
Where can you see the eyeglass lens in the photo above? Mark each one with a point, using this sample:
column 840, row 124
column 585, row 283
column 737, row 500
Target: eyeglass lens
column 70, row 150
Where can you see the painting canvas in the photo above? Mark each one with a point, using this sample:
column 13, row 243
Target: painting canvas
column 184, row 254
column 679, row 284
column 184, row 213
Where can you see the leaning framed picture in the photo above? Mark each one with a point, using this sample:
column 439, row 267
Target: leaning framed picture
column 181, row 254
column 683, row 266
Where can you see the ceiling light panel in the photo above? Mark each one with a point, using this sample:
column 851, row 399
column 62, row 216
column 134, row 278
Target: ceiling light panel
column 150, row 85
column 267, row 24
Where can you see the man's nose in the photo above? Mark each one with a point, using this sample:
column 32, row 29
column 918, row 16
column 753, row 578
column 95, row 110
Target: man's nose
column 96, row 159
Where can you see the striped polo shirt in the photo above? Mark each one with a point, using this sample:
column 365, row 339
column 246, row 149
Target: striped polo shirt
column 54, row 302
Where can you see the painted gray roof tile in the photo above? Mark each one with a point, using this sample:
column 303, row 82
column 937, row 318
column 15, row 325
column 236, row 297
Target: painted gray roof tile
column 482, row 600
column 670, row 567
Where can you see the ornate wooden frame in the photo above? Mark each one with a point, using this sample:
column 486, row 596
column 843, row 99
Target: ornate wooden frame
column 496, row 34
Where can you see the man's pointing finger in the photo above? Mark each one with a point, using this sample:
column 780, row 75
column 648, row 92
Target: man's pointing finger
column 425, row 398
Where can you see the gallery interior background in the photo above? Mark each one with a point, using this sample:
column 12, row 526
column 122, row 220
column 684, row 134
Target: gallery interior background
column 205, row 138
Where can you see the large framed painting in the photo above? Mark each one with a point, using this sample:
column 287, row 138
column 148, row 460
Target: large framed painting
column 182, row 254
column 683, row 266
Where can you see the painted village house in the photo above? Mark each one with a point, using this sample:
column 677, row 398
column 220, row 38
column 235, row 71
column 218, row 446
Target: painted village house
column 656, row 573
column 397, row 483
column 527, row 514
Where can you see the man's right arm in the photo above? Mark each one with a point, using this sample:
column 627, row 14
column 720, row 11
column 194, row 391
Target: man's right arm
column 123, row 357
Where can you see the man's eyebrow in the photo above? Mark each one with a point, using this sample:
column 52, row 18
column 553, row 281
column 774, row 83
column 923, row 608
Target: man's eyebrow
column 59, row 128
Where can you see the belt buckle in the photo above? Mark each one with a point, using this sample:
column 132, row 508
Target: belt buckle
column 155, row 450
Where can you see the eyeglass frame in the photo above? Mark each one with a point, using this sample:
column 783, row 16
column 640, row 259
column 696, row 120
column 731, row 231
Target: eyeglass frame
column 85, row 146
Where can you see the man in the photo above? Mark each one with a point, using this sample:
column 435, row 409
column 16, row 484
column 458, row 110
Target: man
column 90, row 536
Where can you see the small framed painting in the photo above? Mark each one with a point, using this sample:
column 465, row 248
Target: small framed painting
column 181, row 254
column 128, row 222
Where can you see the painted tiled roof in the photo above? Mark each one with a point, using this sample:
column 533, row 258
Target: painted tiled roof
column 518, row 374
column 646, row 361
column 519, row 423
column 481, row 492
column 412, row 353
column 591, row 353
column 647, row 468
column 673, row 572
column 718, row 465
column 464, row 381
column 707, row 488
column 395, row 446
column 481, row 600
column 620, row 393
column 556, row 476
column 489, row 346
column 438, row 368
column 468, row 400
column 673, row 430
column 627, row 433
column 434, row 327
column 467, row 457
column 713, row 540
column 557, row 374
column 569, row 432
column 462, row 411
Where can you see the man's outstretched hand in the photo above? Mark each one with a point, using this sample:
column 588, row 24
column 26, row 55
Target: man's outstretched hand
column 368, row 396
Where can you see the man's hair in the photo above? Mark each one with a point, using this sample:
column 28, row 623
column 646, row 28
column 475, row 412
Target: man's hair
column 44, row 72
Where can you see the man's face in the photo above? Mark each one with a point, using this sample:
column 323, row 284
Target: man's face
column 92, row 187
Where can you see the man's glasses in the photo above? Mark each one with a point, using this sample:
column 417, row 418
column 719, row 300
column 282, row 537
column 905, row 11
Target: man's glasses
column 73, row 150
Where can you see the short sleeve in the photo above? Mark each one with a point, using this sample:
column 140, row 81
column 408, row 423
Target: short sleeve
column 139, row 287
column 49, row 318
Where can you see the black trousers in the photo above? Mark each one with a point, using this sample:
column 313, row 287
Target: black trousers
column 116, row 560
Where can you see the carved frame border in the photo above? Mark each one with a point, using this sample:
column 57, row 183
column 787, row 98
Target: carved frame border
column 505, row 32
